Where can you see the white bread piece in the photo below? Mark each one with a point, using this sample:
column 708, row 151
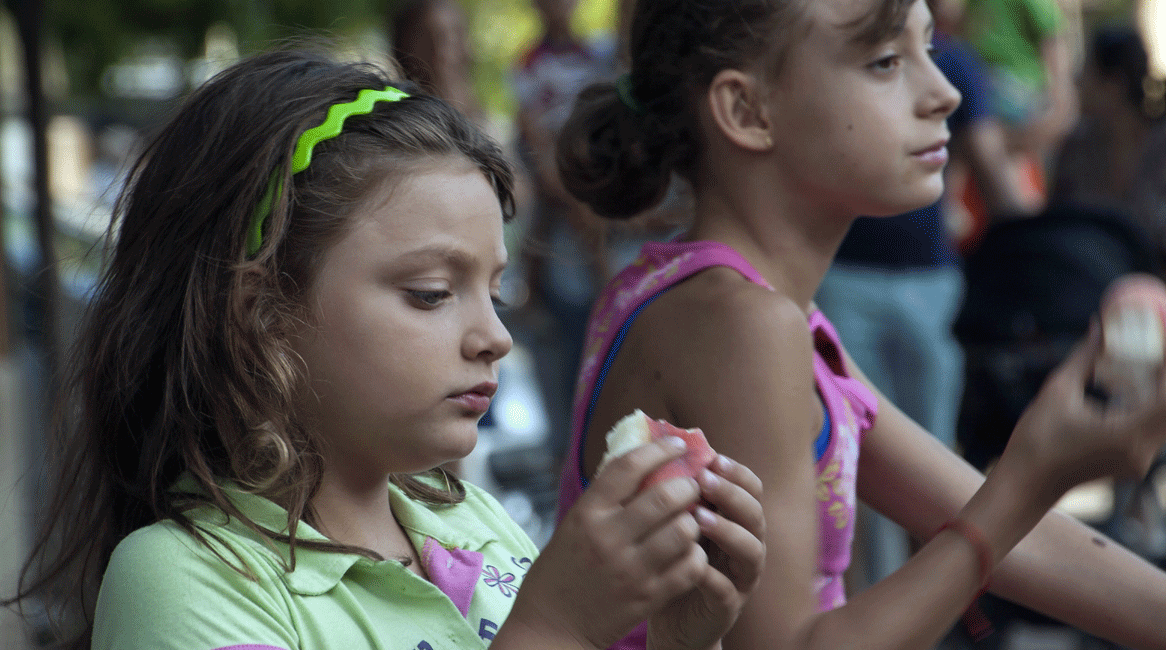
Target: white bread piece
column 1134, row 333
column 1132, row 355
column 630, row 432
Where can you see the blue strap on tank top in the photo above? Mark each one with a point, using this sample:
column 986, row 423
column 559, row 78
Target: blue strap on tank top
column 821, row 443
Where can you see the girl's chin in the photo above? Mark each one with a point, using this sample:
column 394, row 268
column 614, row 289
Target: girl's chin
column 462, row 447
column 907, row 204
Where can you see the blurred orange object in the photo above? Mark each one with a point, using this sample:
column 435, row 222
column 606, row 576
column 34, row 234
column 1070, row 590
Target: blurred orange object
column 966, row 205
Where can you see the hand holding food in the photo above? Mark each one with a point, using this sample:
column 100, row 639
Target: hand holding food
column 1133, row 314
column 638, row 429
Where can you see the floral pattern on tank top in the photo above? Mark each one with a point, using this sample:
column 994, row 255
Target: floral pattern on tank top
column 852, row 409
column 837, row 502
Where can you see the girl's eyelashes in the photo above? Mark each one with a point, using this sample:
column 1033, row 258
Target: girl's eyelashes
column 886, row 63
column 428, row 297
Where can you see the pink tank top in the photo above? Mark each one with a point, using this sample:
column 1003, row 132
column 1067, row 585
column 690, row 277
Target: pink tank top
column 849, row 406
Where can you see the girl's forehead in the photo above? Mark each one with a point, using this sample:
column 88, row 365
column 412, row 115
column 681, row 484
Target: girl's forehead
column 862, row 24
column 429, row 202
column 834, row 24
column 841, row 14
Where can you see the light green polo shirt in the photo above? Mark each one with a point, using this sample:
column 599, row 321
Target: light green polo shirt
column 163, row 589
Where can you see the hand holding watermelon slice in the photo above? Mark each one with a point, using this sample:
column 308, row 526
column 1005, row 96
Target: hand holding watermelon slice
column 1133, row 331
column 638, row 429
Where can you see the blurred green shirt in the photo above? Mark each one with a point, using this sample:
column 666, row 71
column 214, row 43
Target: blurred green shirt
column 1008, row 35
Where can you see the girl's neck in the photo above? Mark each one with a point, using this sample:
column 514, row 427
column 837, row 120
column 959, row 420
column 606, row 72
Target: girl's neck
column 790, row 242
column 361, row 514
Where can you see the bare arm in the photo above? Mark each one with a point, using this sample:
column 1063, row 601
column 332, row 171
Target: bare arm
column 1062, row 568
column 762, row 412
column 765, row 413
column 1061, row 110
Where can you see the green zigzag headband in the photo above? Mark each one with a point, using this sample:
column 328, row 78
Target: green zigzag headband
column 302, row 156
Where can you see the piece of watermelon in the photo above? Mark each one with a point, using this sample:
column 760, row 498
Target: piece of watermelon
column 1133, row 331
column 638, row 429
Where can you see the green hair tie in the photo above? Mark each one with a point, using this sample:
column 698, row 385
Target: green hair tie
column 331, row 127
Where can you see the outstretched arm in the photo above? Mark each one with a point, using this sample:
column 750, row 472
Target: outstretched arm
column 1062, row 568
column 762, row 411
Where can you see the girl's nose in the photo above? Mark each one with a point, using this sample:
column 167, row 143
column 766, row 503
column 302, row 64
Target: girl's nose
column 942, row 98
column 939, row 98
column 488, row 338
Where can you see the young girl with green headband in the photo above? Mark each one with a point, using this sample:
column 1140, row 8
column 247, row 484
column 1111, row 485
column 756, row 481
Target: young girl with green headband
column 296, row 329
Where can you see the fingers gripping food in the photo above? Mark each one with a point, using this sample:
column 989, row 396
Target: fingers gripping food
column 638, row 429
column 1133, row 314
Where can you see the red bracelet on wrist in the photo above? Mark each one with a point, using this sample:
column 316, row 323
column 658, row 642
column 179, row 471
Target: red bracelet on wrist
column 975, row 620
column 979, row 542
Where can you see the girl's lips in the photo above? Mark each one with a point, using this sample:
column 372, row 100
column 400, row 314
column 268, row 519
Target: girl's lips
column 473, row 402
column 477, row 399
column 935, row 155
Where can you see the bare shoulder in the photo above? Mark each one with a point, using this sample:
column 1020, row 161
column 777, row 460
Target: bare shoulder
column 739, row 359
column 718, row 313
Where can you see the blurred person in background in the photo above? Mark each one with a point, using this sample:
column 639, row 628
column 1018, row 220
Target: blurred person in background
column 1033, row 285
column 1114, row 162
column 1115, row 158
column 565, row 258
column 1026, row 46
column 431, row 42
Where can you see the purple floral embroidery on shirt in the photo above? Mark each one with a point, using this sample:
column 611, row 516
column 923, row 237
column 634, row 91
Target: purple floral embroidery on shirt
column 522, row 563
column 503, row 581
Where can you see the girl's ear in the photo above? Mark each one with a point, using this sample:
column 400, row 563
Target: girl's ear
column 738, row 106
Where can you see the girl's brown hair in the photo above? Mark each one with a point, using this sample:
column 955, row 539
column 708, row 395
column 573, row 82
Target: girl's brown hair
column 183, row 364
column 617, row 154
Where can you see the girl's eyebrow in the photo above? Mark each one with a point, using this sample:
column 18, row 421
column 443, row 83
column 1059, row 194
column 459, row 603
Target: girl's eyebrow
column 870, row 32
column 440, row 254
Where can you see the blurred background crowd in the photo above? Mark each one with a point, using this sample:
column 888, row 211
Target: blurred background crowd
column 957, row 311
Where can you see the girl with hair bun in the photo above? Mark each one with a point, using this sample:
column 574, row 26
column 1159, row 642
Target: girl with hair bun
column 791, row 118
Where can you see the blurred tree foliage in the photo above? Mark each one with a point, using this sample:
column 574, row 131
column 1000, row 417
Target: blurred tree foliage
column 502, row 30
column 95, row 34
